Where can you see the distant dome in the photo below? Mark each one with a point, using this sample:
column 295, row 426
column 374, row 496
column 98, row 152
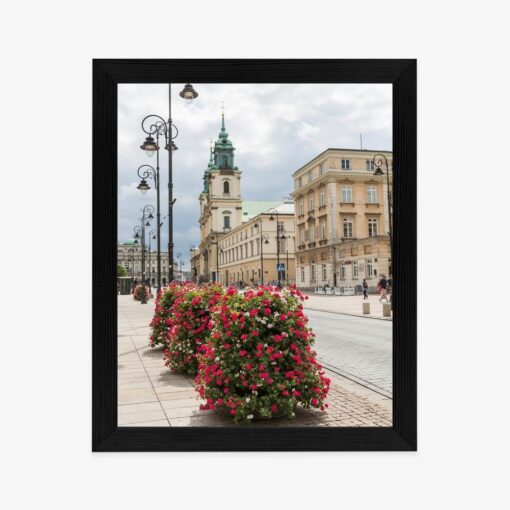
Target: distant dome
column 129, row 242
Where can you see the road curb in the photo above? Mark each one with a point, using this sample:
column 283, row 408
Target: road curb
column 350, row 314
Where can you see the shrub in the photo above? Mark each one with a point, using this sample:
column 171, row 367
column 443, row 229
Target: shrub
column 259, row 362
column 162, row 320
column 188, row 330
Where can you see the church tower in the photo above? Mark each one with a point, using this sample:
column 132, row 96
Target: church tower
column 220, row 200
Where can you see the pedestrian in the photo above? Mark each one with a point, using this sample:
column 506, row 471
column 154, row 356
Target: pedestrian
column 365, row 289
column 382, row 286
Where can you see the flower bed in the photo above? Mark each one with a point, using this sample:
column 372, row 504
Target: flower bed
column 258, row 361
column 162, row 320
column 137, row 293
column 188, row 326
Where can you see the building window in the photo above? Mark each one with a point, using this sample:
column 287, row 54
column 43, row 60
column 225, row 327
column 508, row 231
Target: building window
column 347, row 194
column 355, row 269
column 311, row 233
column 310, row 176
column 302, row 274
column 302, row 235
column 370, row 268
column 313, row 269
column 346, row 164
column 226, row 221
column 372, row 195
column 298, row 182
column 310, row 203
column 301, row 207
column 342, row 271
column 324, row 274
column 372, row 227
column 226, row 187
column 370, row 165
column 347, row 227
column 321, row 197
column 321, row 168
column 323, row 229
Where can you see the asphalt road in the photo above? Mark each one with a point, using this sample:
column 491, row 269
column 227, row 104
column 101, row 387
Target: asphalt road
column 356, row 347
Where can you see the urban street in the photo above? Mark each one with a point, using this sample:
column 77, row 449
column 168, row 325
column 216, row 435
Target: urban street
column 356, row 352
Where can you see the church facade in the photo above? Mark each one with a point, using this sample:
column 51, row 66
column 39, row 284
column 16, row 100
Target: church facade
column 223, row 213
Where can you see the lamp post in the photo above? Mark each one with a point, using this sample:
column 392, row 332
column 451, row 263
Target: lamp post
column 149, row 172
column 152, row 235
column 264, row 239
column 131, row 258
column 139, row 234
column 278, row 237
column 379, row 160
column 155, row 125
column 215, row 240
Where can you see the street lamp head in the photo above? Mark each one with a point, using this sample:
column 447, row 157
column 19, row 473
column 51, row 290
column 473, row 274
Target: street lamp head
column 271, row 218
column 266, row 241
column 143, row 186
column 148, row 224
column 174, row 147
column 378, row 171
column 149, row 146
column 188, row 93
column 151, row 217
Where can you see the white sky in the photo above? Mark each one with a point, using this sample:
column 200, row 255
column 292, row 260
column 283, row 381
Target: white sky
column 275, row 128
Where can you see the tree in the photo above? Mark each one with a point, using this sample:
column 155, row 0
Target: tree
column 121, row 270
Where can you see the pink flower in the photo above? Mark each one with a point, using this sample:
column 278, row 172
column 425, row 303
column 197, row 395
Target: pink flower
column 243, row 353
column 274, row 408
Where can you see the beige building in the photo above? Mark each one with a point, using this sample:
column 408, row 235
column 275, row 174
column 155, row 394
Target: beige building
column 129, row 255
column 230, row 248
column 342, row 222
column 250, row 254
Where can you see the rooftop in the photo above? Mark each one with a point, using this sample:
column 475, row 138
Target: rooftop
column 252, row 208
column 365, row 151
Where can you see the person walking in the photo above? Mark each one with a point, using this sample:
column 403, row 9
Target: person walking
column 382, row 286
column 365, row 289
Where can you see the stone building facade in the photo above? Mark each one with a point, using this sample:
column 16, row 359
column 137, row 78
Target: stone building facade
column 342, row 219
column 129, row 255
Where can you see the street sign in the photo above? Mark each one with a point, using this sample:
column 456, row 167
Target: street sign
column 280, row 267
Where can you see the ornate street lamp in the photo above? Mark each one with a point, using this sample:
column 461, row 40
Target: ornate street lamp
column 279, row 235
column 158, row 126
column 139, row 235
column 152, row 235
column 379, row 160
column 264, row 239
column 149, row 172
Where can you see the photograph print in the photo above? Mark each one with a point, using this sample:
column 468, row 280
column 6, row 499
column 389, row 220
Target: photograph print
column 254, row 255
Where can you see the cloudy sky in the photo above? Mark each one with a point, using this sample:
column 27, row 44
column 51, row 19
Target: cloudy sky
column 275, row 129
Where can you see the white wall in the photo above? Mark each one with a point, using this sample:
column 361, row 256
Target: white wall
column 464, row 348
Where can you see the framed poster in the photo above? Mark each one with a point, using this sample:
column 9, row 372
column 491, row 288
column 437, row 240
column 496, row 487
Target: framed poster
column 254, row 255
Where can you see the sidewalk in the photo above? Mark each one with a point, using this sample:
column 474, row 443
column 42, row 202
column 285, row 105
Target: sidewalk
column 349, row 305
column 149, row 395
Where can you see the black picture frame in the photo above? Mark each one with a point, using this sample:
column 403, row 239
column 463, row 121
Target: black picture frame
column 106, row 435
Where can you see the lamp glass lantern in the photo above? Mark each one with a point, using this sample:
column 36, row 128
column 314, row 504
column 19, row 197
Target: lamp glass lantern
column 149, row 146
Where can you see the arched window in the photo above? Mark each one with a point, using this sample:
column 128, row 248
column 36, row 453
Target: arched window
column 226, row 187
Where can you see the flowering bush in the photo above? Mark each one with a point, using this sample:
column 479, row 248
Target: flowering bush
column 259, row 362
column 162, row 320
column 188, row 331
column 137, row 293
